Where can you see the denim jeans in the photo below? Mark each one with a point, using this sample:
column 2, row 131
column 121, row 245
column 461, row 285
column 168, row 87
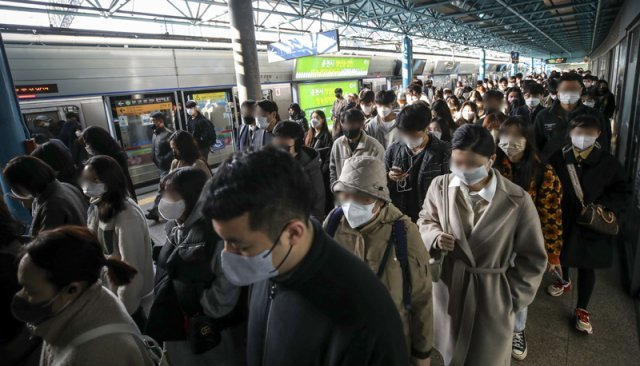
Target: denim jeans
column 521, row 320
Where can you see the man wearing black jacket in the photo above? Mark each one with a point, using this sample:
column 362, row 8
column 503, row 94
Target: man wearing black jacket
column 201, row 128
column 311, row 301
column 161, row 154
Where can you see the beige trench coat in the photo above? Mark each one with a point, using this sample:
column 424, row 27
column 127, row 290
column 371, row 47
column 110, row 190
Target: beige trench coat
column 480, row 290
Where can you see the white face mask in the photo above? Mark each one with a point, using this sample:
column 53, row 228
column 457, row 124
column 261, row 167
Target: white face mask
column 589, row 103
column 495, row 134
column 171, row 210
column 413, row 143
column 24, row 196
column 315, row 122
column 553, row 96
column 357, row 214
column 569, row 97
column 511, row 85
column 512, row 146
column 78, row 133
column 468, row 115
column 90, row 151
column 190, row 111
column 384, row 111
column 587, row 84
column 583, row 142
column 465, row 95
column 262, row 122
column 532, row 102
column 437, row 134
column 92, row 190
column 366, row 109
column 471, row 176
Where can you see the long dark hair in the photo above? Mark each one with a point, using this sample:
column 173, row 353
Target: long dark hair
column 100, row 141
column 188, row 182
column 519, row 101
column 530, row 165
column 186, row 146
column 441, row 109
column 71, row 254
column 59, row 159
column 110, row 173
column 311, row 133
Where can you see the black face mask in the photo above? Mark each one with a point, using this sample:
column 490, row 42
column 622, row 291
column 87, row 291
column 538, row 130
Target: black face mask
column 153, row 127
column 488, row 110
column 351, row 133
column 176, row 155
column 30, row 313
column 248, row 120
column 338, row 95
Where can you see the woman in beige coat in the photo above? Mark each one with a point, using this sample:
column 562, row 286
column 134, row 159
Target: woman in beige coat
column 495, row 256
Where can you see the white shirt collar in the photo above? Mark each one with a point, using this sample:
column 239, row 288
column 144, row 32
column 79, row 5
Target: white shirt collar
column 487, row 192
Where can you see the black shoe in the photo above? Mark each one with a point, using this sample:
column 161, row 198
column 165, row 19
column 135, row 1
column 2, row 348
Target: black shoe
column 152, row 215
column 519, row 346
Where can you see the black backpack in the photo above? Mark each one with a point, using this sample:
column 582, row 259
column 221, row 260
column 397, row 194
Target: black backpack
column 398, row 240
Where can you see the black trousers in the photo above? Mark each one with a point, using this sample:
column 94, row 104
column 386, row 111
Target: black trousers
column 586, row 282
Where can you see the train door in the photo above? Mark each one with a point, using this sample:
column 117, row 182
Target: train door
column 131, row 125
column 631, row 107
column 217, row 106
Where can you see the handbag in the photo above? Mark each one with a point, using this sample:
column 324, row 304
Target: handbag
column 203, row 333
column 435, row 263
column 593, row 216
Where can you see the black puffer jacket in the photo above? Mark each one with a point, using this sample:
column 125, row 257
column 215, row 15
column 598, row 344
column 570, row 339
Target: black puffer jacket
column 59, row 204
column 310, row 160
column 189, row 279
column 552, row 124
column 162, row 153
column 330, row 310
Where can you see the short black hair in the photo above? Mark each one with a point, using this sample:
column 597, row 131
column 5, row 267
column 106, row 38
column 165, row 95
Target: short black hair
column 352, row 115
column 533, row 88
column 570, row 76
column 366, row 96
column 384, row 97
column 585, row 121
column 268, row 106
column 493, row 94
column 188, row 182
column 267, row 184
column 30, row 173
column 249, row 103
column 552, row 85
column 503, row 79
column 338, row 90
column 415, row 87
column 191, row 104
column 72, row 115
column 414, row 117
column 160, row 116
column 295, row 107
column 291, row 130
column 474, row 138
column 519, row 75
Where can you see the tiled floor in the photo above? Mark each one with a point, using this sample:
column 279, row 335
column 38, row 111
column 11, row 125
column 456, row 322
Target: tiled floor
column 551, row 337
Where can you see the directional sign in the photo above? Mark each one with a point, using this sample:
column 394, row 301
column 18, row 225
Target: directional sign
column 557, row 60
column 515, row 57
column 304, row 45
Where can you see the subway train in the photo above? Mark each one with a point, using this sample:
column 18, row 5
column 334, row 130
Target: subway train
column 117, row 88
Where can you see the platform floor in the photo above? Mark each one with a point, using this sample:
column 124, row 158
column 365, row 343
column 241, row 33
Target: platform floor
column 552, row 339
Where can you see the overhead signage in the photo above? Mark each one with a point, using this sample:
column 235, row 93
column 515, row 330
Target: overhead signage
column 515, row 57
column 323, row 67
column 141, row 101
column 322, row 95
column 304, row 45
column 557, row 60
column 137, row 110
column 32, row 91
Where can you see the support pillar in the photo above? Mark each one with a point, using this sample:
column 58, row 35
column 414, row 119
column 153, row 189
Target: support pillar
column 483, row 65
column 245, row 50
column 407, row 62
column 533, row 65
column 13, row 132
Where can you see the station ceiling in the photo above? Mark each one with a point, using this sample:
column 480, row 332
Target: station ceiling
column 535, row 28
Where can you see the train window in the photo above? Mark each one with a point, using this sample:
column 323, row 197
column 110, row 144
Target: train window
column 216, row 106
column 46, row 123
column 132, row 124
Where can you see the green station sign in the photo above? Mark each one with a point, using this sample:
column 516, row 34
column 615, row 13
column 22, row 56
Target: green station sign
column 321, row 96
column 319, row 67
column 554, row 61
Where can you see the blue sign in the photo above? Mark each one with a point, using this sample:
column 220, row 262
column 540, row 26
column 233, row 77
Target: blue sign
column 304, row 45
column 515, row 57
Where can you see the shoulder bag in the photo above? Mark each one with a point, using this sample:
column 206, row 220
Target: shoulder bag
column 593, row 216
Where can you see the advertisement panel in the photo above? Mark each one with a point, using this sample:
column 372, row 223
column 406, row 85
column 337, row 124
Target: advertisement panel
column 304, row 45
column 321, row 96
column 319, row 67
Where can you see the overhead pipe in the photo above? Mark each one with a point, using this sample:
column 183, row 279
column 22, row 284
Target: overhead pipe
column 595, row 26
